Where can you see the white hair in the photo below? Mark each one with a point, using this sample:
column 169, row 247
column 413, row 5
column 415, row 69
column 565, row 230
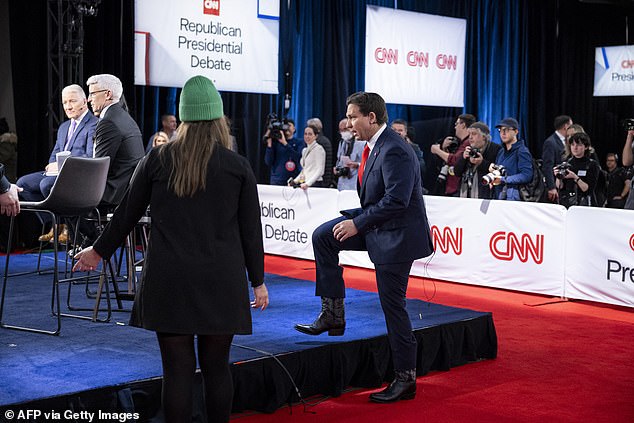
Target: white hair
column 74, row 88
column 315, row 122
column 108, row 82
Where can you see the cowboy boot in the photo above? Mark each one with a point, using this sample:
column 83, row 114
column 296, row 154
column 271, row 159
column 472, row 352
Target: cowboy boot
column 330, row 319
column 403, row 387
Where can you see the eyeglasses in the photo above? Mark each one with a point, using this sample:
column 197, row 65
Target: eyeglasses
column 92, row 94
column 505, row 130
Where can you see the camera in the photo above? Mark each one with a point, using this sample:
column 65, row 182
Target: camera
column 276, row 126
column 561, row 170
column 628, row 124
column 342, row 171
column 496, row 170
column 442, row 176
column 473, row 153
column 291, row 183
column 452, row 146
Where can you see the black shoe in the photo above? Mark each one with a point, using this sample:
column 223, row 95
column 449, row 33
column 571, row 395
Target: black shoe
column 320, row 326
column 397, row 390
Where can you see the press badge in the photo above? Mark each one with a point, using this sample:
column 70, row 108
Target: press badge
column 582, row 172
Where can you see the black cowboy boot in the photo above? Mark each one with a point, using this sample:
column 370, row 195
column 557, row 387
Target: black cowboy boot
column 402, row 387
column 330, row 319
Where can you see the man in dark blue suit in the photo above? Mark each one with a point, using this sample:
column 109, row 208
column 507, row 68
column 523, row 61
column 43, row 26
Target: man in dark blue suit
column 553, row 152
column 391, row 225
column 74, row 135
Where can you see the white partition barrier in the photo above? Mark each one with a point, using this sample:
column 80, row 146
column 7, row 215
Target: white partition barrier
column 584, row 253
column 290, row 215
column 600, row 255
column 502, row 244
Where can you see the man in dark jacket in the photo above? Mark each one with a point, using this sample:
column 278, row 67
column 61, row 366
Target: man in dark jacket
column 553, row 152
column 475, row 162
column 117, row 135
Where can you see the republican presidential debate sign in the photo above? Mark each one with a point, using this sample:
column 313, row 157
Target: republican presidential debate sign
column 232, row 42
column 614, row 71
column 415, row 58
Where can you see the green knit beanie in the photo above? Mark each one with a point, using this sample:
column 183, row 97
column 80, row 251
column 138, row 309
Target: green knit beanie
column 199, row 100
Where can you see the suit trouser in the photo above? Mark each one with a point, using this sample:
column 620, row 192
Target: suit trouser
column 391, row 281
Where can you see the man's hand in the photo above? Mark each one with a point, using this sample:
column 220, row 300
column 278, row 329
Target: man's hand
column 51, row 167
column 87, row 260
column 553, row 195
column 344, row 230
column 435, row 149
column 261, row 295
column 9, row 201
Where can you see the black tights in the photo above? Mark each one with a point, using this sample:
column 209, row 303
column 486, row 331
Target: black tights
column 179, row 365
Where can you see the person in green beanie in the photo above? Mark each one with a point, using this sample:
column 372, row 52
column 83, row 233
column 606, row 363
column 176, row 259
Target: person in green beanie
column 206, row 231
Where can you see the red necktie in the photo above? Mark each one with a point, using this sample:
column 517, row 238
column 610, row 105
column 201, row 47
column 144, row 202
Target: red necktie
column 364, row 158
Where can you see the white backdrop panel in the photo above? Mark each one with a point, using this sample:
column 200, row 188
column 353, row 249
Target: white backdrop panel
column 415, row 58
column 600, row 255
column 223, row 40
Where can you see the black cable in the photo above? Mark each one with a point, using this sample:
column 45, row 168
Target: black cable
column 299, row 395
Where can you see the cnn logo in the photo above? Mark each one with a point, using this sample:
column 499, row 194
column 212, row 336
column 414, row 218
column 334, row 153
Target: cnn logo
column 447, row 239
column 211, row 7
column 506, row 246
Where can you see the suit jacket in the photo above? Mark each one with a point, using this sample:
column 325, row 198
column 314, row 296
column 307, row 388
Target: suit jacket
column 552, row 154
column 392, row 216
column 81, row 140
column 118, row 136
column 194, row 278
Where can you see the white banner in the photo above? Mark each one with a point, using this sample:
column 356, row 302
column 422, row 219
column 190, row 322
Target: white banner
column 290, row 215
column 600, row 257
column 415, row 58
column 502, row 244
column 614, row 71
column 232, row 42
column 528, row 247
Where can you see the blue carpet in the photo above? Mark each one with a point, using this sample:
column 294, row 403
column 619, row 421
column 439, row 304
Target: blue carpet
column 92, row 355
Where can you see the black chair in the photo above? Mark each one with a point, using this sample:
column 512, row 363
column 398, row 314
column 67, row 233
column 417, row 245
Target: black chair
column 77, row 191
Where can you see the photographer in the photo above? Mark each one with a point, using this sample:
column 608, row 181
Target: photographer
column 475, row 162
column 514, row 161
column 348, row 158
column 618, row 182
column 313, row 160
column 283, row 151
column 577, row 177
column 449, row 153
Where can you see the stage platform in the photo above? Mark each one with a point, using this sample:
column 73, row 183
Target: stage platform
column 117, row 368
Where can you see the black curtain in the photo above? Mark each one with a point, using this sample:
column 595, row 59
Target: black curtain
column 531, row 59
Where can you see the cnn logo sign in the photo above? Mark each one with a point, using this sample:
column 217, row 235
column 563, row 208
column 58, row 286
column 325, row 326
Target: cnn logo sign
column 506, row 246
column 447, row 239
column 211, row 7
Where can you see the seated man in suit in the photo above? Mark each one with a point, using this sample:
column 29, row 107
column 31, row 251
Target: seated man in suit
column 117, row 136
column 391, row 225
column 74, row 135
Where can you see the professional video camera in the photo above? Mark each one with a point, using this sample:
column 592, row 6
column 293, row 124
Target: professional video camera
column 473, row 153
column 628, row 124
column 561, row 170
column 496, row 170
column 275, row 125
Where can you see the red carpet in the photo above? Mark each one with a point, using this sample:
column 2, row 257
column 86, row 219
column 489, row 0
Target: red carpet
column 559, row 362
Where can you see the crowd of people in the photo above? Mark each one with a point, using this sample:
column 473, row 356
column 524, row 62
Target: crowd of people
column 470, row 164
